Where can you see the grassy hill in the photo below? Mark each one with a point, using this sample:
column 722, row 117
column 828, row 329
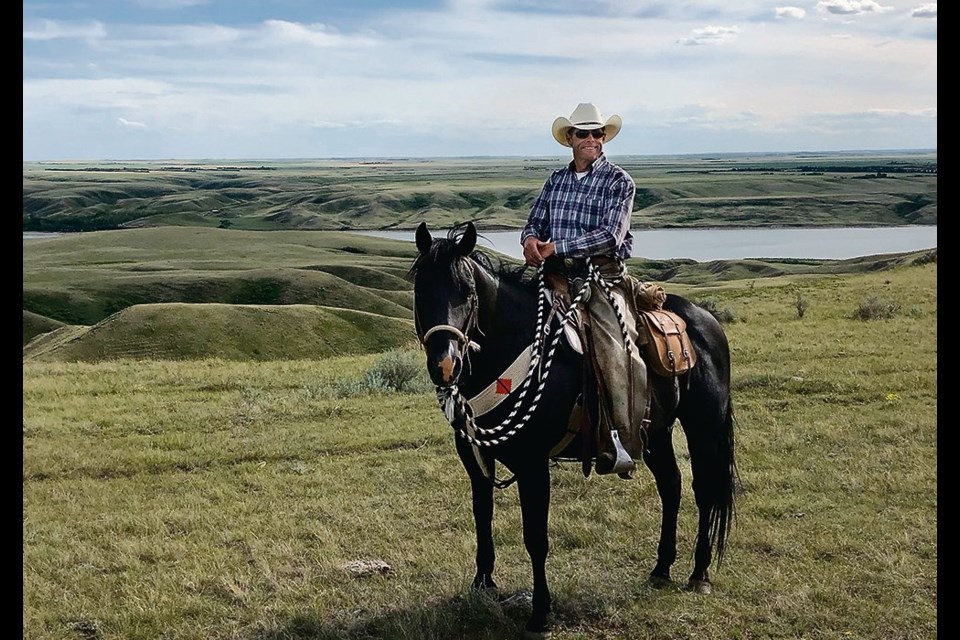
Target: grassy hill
column 83, row 278
column 178, row 331
column 672, row 191
column 183, row 292
column 35, row 324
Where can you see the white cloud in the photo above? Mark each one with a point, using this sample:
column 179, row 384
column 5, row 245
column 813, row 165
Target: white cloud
column 130, row 124
column 790, row 12
column 52, row 30
column 925, row 11
column 166, row 5
column 851, row 7
column 710, row 35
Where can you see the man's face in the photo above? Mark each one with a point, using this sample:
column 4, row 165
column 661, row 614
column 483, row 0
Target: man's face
column 586, row 147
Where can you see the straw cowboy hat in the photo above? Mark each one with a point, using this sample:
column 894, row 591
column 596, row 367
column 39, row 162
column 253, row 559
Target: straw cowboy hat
column 586, row 116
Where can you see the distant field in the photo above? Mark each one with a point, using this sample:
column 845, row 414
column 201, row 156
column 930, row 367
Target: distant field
column 672, row 191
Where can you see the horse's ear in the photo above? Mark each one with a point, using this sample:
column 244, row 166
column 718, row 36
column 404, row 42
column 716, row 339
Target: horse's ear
column 423, row 238
column 468, row 240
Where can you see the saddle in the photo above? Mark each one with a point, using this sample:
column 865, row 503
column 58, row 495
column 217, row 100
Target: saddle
column 661, row 339
column 661, row 334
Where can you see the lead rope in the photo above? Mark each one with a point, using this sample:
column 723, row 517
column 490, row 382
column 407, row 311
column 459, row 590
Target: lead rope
column 450, row 399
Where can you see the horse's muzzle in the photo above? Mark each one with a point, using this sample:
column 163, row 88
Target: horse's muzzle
column 445, row 366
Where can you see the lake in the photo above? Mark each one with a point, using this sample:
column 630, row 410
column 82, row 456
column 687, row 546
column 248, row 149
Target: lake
column 702, row 245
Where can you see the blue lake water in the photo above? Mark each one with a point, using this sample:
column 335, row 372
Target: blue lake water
column 703, row 245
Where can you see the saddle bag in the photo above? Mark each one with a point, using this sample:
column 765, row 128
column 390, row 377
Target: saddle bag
column 667, row 347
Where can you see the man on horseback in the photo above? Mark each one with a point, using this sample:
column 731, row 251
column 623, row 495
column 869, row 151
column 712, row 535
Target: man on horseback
column 579, row 227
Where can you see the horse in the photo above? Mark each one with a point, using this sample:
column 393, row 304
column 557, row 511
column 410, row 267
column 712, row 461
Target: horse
column 474, row 315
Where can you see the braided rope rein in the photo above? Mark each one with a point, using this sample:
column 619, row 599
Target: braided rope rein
column 449, row 398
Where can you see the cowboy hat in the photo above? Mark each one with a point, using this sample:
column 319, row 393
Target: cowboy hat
column 586, row 116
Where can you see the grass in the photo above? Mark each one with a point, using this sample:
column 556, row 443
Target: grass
column 215, row 498
column 212, row 436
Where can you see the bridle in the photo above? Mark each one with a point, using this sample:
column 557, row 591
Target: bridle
column 462, row 335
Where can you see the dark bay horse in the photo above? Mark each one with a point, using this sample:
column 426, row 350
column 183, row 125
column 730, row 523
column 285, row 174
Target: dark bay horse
column 474, row 317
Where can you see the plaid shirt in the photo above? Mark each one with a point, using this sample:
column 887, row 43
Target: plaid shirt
column 585, row 217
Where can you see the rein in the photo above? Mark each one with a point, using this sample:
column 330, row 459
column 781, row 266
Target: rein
column 451, row 400
column 458, row 411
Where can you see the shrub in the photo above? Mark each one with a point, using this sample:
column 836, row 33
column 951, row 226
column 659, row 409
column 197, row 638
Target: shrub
column 874, row 308
column 724, row 316
column 925, row 258
column 801, row 304
column 398, row 370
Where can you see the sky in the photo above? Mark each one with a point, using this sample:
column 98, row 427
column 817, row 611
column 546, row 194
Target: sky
column 285, row 79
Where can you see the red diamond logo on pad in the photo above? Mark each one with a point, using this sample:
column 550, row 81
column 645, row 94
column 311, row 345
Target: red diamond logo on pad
column 503, row 386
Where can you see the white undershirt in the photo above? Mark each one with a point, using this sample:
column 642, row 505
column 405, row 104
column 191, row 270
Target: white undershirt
column 580, row 174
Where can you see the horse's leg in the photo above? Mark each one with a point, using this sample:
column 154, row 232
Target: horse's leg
column 481, row 488
column 533, row 485
column 709, row 440
column 703, row 493
column 661, row 459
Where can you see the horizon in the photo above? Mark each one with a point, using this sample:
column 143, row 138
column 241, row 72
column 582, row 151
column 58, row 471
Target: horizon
column 561, row 157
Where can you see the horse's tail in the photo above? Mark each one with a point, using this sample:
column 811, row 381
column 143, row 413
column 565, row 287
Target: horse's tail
column 723, row 512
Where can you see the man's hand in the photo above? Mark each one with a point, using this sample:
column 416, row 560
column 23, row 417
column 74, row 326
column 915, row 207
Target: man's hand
column 536, row 251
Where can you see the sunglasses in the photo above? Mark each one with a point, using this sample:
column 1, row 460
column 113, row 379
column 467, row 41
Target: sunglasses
column 596, row 133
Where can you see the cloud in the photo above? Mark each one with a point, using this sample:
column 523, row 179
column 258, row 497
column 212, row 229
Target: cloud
column 51, row 30
column 130, row 124
column 466, row 77
column 314, row 35
column 925, row 11
column 709, row 35
column 851, row 7
column 165, row 5
column 790, row 12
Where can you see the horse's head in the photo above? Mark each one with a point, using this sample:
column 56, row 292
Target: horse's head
column 445, row 300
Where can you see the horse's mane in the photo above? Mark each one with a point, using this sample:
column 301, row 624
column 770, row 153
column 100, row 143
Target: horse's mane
column 444, row 251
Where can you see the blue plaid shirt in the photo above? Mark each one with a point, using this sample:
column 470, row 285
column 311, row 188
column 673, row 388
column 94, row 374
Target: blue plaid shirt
column 585, row 217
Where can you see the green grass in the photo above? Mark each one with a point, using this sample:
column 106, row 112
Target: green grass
column 178, row 331
column 208, row 442
column 84, row 278
column 215, row 498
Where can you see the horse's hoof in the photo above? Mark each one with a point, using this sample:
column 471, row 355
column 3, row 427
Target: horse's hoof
column 484, row 583
column 699, row 586
column 660, row 582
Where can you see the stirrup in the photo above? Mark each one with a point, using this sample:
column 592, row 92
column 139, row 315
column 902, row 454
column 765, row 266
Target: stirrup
column 623, row 464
